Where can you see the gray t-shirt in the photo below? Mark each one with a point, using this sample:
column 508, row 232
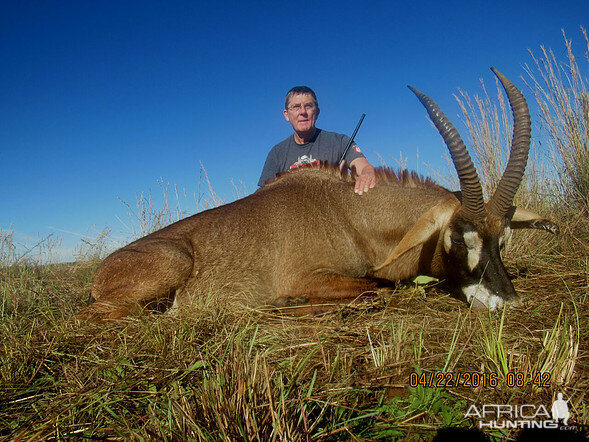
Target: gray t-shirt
column 288, row 155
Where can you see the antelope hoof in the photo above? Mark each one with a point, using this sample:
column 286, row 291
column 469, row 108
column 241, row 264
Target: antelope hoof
column 289, row 301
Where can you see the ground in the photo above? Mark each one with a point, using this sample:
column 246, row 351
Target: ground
column 365, row 371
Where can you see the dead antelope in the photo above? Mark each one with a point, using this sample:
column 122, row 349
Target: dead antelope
column 307, row 238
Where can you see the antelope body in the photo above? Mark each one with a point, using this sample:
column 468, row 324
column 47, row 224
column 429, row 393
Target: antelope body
column 307, row 238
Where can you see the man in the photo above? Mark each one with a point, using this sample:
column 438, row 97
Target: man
column 310, row 145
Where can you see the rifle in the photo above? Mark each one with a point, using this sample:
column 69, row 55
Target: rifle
column 351, row 139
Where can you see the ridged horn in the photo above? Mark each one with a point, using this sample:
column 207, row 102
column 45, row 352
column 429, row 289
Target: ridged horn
column 502, row 199
column 472, row 192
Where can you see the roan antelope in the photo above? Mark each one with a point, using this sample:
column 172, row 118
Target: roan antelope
column 306, row 238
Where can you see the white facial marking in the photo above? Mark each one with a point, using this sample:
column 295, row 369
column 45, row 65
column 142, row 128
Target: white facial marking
column 503, row 239
column 474, row 243
column 477, row 293
column 447, row 240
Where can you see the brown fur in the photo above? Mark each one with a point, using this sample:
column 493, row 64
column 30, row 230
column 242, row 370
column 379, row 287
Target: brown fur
column 384, row 175
column 302, row 240
column 303, row 236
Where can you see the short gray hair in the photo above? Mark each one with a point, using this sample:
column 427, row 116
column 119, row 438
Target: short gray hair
column 300, row 90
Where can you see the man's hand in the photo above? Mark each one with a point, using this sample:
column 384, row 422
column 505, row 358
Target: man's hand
column 366, row 178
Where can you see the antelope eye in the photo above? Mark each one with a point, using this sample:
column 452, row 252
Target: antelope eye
column 458, row 240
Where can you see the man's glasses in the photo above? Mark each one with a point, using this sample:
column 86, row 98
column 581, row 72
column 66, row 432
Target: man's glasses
column 296, row 108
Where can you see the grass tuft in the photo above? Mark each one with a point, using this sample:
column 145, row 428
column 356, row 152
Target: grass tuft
column 225, row 372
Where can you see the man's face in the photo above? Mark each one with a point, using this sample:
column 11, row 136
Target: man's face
column 302, row 112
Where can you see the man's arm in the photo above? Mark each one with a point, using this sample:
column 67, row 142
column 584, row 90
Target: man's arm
column 365, row 176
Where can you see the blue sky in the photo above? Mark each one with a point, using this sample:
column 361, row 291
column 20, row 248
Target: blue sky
column 99, row 100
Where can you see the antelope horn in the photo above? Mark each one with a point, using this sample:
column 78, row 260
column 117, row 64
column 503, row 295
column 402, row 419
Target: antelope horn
column 472, row 192
column 502, row 199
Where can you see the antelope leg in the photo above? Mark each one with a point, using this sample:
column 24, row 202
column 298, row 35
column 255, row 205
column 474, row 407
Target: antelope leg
column 319, row 293
column 136, row 276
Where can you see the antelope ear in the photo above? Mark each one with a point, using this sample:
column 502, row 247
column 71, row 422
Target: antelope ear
column 526, row 219
column 428, row 224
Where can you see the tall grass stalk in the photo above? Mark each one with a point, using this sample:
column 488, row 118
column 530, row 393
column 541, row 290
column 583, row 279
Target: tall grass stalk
column 560, row 350
column 451, row 357
column 490, row 132
column 560, row 90
column 558, row 167
column 493, row 345
column 226, row 372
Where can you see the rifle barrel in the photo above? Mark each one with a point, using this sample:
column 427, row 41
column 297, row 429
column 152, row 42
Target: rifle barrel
column 352, row 139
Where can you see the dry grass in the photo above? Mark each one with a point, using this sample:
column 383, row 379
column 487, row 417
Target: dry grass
column 560, row 90
column 219, row 373
column 557, row 176
column 490, row 133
